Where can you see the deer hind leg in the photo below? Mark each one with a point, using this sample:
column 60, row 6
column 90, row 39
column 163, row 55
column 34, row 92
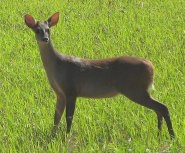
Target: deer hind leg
column 160, row 120
column 162, row 112
column 60, row 106
column 143, row 98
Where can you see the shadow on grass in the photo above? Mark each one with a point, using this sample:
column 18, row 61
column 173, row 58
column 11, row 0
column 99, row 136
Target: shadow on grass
column 43, row 137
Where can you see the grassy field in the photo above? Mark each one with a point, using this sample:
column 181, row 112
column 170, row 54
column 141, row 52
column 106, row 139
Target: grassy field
column 154, row 30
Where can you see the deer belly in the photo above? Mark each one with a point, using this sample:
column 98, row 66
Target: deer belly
column 97, row 91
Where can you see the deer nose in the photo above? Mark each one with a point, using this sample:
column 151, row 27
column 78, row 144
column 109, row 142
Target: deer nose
column 45, row 39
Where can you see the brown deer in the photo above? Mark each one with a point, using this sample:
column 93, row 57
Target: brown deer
column 72, row 77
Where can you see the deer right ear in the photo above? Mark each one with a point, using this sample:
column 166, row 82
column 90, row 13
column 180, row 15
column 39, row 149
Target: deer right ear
column 29, row 20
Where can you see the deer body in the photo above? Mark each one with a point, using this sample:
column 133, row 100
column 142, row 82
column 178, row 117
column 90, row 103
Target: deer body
column 72, row 77
column 94, row 78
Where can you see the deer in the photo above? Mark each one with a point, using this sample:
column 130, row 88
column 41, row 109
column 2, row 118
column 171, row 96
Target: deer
column 71, row 77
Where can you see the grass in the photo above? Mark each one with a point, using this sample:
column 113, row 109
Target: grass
column 154, row 30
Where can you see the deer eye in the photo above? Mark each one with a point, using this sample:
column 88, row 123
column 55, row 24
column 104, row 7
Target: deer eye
column 47, row 30
column 38, row 31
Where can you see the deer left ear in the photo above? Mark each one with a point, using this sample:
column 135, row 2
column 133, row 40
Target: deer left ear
column 53, row 20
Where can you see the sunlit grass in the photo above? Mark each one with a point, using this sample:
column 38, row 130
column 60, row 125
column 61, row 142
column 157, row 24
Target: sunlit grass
column 91, row 29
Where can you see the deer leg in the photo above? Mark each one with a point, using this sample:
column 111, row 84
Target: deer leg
column 144, row 99
column 60, row 105
column 160, row 120
column 70, row 108
column 163, row 110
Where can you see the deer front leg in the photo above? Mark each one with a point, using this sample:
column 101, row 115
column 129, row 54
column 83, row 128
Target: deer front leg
column 70, row 108
column 60, row 105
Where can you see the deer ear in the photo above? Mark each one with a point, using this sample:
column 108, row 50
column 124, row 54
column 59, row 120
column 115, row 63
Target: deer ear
column 29, row 20
column 53, row 19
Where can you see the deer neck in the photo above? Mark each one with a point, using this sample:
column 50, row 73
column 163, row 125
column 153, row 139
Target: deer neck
column 48, row 54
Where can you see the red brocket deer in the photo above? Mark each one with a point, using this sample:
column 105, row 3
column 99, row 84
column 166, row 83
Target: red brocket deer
column 72, row 77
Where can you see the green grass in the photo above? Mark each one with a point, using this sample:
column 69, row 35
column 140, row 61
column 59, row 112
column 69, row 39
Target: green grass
column 154, row 30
